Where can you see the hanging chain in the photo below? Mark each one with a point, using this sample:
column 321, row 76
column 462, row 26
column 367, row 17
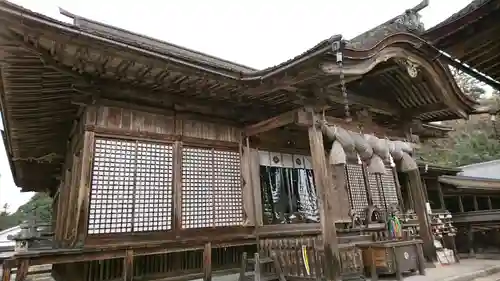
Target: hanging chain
column 343, row 88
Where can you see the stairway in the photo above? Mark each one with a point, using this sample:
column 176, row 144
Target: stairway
column 258, row 263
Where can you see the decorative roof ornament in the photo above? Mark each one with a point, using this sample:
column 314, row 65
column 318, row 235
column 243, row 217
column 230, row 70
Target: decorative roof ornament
column 411, row 20
column 411, row 67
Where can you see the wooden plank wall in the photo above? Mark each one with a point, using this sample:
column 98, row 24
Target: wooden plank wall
column 65, row 210
column 133, row 123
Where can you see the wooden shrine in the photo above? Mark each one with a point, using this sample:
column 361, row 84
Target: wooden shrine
column 474, row 204
column 168, row 164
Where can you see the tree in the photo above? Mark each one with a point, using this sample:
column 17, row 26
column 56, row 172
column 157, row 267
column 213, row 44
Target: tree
column 4, row 210
column 472, row 141
column 39, row 208
column 468, row 84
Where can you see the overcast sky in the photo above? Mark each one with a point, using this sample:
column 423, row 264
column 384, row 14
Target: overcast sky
column 257, row 33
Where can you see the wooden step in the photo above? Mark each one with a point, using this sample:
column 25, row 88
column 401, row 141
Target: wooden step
column 263, row 277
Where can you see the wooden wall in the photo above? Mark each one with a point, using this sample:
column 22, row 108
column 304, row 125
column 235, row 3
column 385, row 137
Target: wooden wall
column 168, row 126
column 65, row 199
column 176, row 130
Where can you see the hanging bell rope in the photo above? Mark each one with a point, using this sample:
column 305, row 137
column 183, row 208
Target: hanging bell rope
column 328, row 131
column 377, row 153
column 363, row 148
column 337, row 154
column 407, row 163
column 376, row 165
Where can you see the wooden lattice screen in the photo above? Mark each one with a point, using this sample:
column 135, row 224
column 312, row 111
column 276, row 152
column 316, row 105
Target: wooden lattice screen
column 358, row 199
column 389, row 186
column 383, row 189
column 211, row 188
column 131, row 187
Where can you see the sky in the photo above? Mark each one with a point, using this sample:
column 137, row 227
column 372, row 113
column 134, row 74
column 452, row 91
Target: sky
column 257, row 33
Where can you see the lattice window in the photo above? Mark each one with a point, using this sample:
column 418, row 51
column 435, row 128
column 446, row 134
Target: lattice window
column 211, row 188
column 197, row 188
column 383, row 189
column 153, row 195
column 227, row 188
column 131, row 187
column 389, row 187
column 111, row 199
column 358, row 199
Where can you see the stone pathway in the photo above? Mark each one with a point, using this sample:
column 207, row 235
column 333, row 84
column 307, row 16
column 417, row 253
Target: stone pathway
column 466, row 270
column 494, row 277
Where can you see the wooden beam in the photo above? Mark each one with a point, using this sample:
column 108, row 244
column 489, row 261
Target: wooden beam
column 477, row 217
column 304, row 120
column 122, row 92
column 324, row 185
column 374, row 105
column 281, row 120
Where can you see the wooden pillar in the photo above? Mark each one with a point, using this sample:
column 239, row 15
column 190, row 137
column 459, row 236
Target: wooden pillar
column 490, row 205
column 441, row 196
column 207, row 262
column 177, row 187
column 417, row 193
column 476, row 205
column 324, row 185
column 128, row 266
column 398, row 189
column 424, row 190
column 84, row 187
column 470, row 241
column 460, row 204
column 409, row 198
column 22, row 269
column 7, row 270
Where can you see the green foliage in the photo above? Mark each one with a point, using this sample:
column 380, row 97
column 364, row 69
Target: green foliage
column 472, row 141
column 39, row 208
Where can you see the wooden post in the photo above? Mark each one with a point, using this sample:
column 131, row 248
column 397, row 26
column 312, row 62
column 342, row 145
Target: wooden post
column 84, row 188
column 207, row 262
column 22, row 270
column 399, row 274
column 490, row 206
column 398, row 189
column 177, row 188
column 460, row 204
column 470, row 241
column 424, row 189
column 128, row 266
column 257, row 271
column 476, row 205
column 441, row 196
column 324, row 185
column 417, row 193
column 6, row 270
